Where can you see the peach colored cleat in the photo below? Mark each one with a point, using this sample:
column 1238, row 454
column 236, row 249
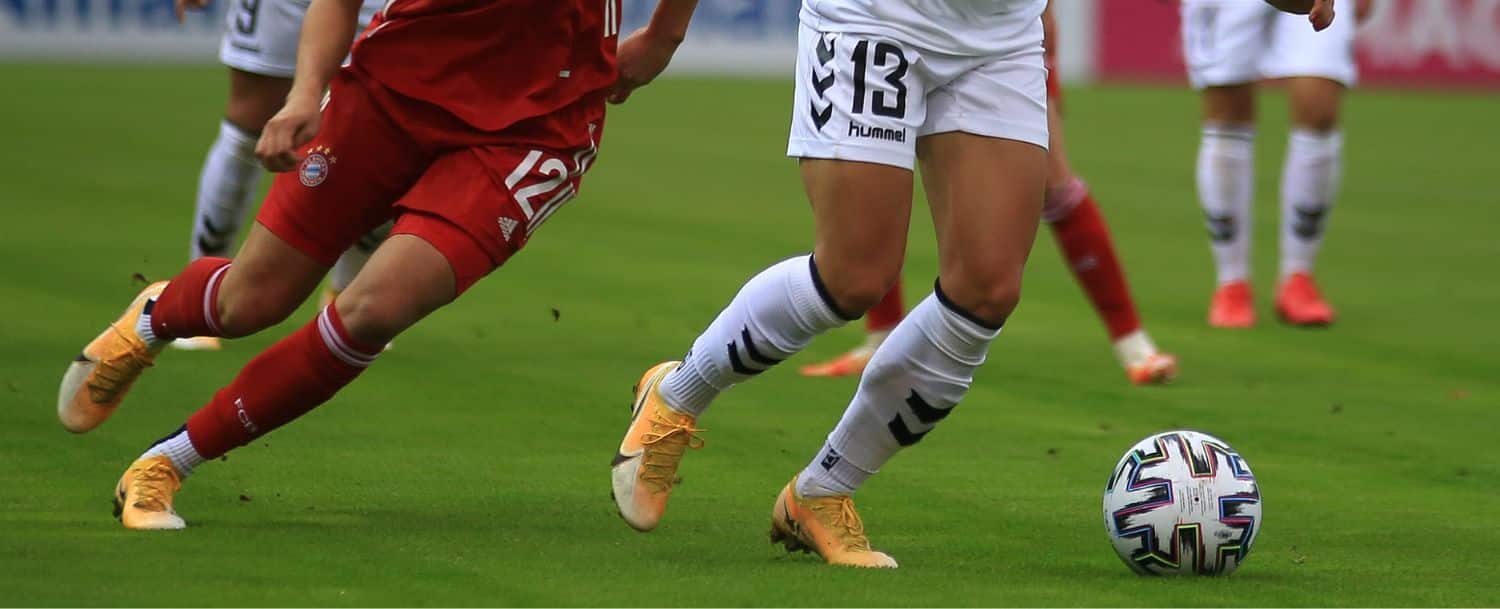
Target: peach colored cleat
column 143, row 497
column 826, row 525
column 198, row 343
column 1299, row 302
column 645, row 468
column 1233, row 306
column 98, row 379
column 1158, row 369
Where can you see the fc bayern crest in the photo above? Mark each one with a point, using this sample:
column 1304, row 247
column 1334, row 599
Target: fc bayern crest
column 314, row 168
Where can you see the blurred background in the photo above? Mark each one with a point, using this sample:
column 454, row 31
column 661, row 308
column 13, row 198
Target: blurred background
column 1416, row 43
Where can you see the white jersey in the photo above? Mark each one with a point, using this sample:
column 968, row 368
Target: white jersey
column 969, row 28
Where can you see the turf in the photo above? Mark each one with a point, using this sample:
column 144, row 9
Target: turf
column 468, row 467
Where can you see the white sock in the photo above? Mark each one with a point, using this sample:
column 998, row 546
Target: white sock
column 773, row 317
column 1226, row 189
column 229, row 177
column 915, row 379
column 179, row 449
column 1134, row 348
column 1309, row 183
column 354, row 258
column 143, row 327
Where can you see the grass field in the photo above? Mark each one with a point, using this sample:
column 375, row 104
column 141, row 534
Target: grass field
column 469, row 466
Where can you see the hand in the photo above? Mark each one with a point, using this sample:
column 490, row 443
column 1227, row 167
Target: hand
column 285, row 134
column 181, row 7
column 1321, row 14
column 641, row 58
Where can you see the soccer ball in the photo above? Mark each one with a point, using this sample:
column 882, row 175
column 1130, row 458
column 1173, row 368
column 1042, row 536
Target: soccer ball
column 1182, row 503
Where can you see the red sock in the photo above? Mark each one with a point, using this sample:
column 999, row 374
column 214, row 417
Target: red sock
column 189, row 305
column 887, row 313
column 284, row 382
column 1084, row 239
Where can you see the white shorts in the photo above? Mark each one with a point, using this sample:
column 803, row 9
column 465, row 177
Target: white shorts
column 868, row 98
column 1233, row 42
column 260, row 36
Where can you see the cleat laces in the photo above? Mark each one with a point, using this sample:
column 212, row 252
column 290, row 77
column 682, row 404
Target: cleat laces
column 111, row 375
column 664, row 446
column 153, row 486
column 839, row 514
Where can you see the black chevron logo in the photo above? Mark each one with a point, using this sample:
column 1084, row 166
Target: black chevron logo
column 821, row 84
column 825, row 49
column 925, row 412
column 1220, row 228
column 738, row 364
column 821, row 117
column 903, row 434
column 1309, row 223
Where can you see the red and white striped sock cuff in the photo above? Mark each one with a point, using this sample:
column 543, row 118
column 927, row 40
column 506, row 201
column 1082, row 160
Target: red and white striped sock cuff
column 1062, row 199
column 211, row 299
column 340, row 343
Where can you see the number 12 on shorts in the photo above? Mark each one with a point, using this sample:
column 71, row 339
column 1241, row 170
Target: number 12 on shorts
column 542, row 183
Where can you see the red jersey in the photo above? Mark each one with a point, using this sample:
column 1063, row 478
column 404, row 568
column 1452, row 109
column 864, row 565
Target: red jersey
column 494, row 63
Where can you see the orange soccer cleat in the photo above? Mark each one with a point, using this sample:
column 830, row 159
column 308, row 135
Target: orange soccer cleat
column 1233, row 306
column 644, row 471
column 1299, row 302
column 143, row 497
column 98, row 379
column 1156, row 369
column 826, row 525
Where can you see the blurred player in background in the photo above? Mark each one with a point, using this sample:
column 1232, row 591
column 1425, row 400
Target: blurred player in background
column 1084, row 238
column 958, row 87
column 467, row 122
column 1230, row 46
column 260, row 50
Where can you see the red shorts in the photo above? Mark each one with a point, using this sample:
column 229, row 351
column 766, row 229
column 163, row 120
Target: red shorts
column 475, row 196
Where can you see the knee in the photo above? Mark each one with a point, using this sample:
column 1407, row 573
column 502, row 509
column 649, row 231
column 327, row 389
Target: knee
column 990, row 297
column 372, row 320
column 858, row 288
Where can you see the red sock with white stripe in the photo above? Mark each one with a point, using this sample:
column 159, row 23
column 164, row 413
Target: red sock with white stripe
column 1085, row 242
column 284, row 382
column 189, row 305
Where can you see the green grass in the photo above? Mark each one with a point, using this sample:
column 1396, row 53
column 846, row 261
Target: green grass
column 468, row 467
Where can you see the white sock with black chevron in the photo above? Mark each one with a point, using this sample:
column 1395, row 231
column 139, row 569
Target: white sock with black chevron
column 774, row 316
column 914, row 380
column 1309, row 185
column 230, row 175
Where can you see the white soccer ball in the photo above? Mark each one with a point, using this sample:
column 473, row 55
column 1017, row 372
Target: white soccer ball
column 1182, row 503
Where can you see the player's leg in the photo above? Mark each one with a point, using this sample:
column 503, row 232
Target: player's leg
column 857, row 170
column 1318, row 68
column 1222, row 44
column 309, row 217
column 1084, row 238
column 879, row 321
column 259, row 48
column 984, row 167
column 406, row 279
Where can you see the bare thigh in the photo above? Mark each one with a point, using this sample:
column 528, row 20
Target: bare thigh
column 862, row 212
column 254, row 99
column 405, row 280
column 986, row 197
column 1315, row 102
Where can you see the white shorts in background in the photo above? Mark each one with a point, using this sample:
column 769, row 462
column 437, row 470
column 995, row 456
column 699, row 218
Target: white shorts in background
column 869, row 97
column 260, row 36
column 1232, row 42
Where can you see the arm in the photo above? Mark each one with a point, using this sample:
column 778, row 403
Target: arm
column 327, row 33
column 646, row 52
column 1319, row 12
